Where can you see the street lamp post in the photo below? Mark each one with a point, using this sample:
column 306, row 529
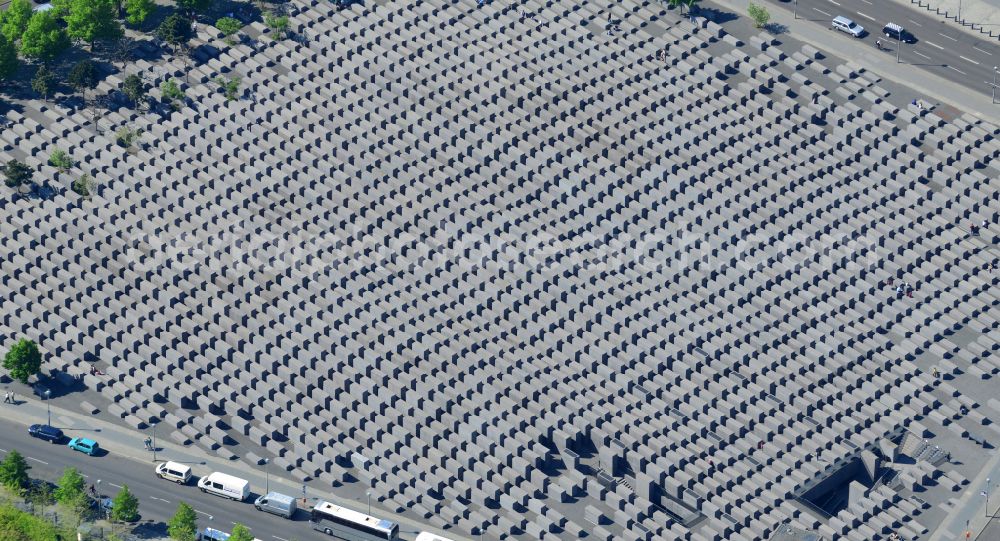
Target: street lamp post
column 795, row 9
column 987, row 496
column 899, row 41
column 369, row 494
column 993, row 97
column 154, row 422
column 267, row 477
column 48, row 410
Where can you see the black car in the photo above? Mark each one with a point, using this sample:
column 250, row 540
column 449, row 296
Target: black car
column 46, row 432
column 40, row 390
column 895, row 32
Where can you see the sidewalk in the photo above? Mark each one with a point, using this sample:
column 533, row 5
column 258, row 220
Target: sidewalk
column 970, row 511
column 128, row 443
column 863, row 54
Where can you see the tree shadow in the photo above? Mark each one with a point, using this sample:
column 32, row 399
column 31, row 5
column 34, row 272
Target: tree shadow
column 150, row 530
column 716, row 15
column 775, row 29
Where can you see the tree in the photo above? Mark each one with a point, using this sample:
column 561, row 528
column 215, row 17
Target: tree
column 8, row 58
column 14, row 21
column 83, row 76
column 44, row 81
column 172, row 94
column 72, row 492
column 125, row 507
column 127, row 137
column 84, row 186
column 92, row 20
column 60, row 160
column 759, row 15
column 240, row 533
column 135, row 89
column 136, row 11
column 277, row 23
column 228, row 26
column 229, row 87
column 175, row 30
column 194, row 5
column 184, row 524
column 14, row 472
column 23, row 360
column 43, row 39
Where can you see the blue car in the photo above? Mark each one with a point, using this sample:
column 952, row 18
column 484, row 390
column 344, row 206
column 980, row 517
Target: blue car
column 46, row 432
column 84, row 445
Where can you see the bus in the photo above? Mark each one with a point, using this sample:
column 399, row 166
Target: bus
column 349, row 525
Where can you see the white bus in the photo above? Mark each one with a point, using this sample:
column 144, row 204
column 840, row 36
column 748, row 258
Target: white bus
column 349, row 525
column 428, row 536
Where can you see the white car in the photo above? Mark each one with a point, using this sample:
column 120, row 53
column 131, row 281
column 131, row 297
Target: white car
column 848, row 26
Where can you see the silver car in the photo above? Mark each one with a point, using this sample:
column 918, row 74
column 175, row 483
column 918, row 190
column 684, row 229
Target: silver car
column 848, row 26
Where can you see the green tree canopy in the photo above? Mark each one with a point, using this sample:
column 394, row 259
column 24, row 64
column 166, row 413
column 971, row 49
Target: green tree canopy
column 44, row 81
column 171, row 93
column 44, row 39
column 135, row 89
column 8, row 58
column 175, row 29
column 137, row 11
column 229, row 87
column 71, row 492
column 17, row 525
column 16, row 174
column 184, row 524
column 194, row 5
column 84, row 186
column 240, row 533
column 759, row 14
column 125, row 506
column 228, row 25
column 14, row 472
column 92, row 20
column 60, row 160
column 277, row 23
column 23, row 360
column 83, row 76
column 14, row 21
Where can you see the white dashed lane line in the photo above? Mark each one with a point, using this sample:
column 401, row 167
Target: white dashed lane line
column 36, row 460
column 160, row 499
column 823, row 12
column 866, row 16
column 918, row 53
column 956, row 69
column 946, row 36
column 834, row 2
column 982, row 51
column 914, row 22
column 932, row 44
column 968, row 60
column 114, row 485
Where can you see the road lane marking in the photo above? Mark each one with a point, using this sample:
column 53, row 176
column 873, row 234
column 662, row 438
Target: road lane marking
column 36, row 460
column 866, row 16
column 947, row 36
column 932, row 44
column 914, row 22
column 203, row 513
column 923, row 55
column 968, row 60
column 982, row 51
column 161, row 499
column 958, row 70
column 3, row 450
column 867, row 2
column 834, row 2
column 279, row 538
column 821, row 11
column 114, row 485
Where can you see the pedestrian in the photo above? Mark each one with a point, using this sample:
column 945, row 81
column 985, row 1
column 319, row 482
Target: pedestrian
column 6, row 397
column 935, row 372
column 878, row 44
column 760, row 444
column 899, row 290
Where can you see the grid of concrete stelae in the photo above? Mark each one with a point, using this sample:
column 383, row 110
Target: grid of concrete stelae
column 531, row 276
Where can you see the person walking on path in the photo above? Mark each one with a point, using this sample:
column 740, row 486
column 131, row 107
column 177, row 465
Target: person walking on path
column 6, row 397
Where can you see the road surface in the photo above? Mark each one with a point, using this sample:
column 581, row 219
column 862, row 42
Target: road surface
column 940, row 48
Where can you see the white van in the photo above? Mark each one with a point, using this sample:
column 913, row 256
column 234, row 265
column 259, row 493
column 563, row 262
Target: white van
column 172, row 471
column 225, row 485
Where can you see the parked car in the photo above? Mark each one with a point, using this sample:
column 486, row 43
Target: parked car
column 276, row 504
column 895, row 32
column 84, row 445
column 46, row 432
column 225, row 485
column 172, row 471
column 847, row 26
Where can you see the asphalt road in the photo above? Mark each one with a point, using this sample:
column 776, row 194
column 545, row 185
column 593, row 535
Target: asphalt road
column 940, row 48
column 158, row 499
